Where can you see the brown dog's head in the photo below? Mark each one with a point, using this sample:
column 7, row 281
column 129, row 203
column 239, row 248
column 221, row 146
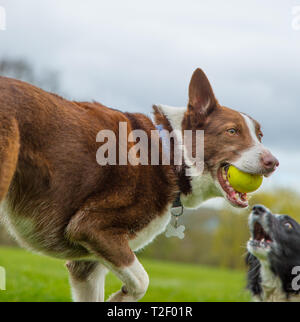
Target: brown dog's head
column 230, row 137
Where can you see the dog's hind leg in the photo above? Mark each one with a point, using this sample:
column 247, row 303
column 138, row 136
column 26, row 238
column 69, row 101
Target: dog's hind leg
column 87, row 280
column 9, row 151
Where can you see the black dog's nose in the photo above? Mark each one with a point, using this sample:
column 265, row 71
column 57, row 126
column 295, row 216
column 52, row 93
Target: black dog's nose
column 258, row 210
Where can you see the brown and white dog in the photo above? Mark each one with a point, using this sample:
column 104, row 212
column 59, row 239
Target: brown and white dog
column 58, row 201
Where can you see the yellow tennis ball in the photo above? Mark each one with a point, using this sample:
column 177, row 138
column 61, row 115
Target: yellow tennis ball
column 242, row 181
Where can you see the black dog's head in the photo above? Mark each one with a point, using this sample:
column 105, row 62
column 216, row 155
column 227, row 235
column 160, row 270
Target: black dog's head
column 274, row 255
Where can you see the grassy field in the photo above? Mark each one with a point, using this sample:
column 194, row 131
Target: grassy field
column 37, row 278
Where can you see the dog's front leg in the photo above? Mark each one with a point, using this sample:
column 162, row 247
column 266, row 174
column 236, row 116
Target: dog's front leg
column 135, row 281
column 110, row 246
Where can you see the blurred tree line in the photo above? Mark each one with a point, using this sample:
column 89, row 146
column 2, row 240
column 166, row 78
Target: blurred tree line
column 219, row 237
column 22, row 69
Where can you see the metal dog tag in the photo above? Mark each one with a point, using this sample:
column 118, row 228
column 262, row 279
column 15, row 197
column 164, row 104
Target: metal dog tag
column 175, row 230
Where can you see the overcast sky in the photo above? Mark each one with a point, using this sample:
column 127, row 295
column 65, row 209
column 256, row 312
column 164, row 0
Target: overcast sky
column 131, row 54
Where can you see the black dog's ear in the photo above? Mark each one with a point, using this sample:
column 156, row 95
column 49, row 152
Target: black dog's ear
column 254, row 278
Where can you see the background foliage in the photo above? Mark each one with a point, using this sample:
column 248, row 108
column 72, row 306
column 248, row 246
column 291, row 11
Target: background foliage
column 219, row 237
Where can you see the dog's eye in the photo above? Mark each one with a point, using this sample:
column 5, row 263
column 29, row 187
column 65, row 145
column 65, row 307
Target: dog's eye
column 232, row 131
column 288, row 225
column 260, row 136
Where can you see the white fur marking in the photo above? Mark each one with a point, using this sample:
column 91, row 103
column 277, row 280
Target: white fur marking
column 174, row 115
column 271, row 284
column 251, row 127
column 135, row 280
column 204, row 186
column 91, row 290
column 146, row 236
column 250, row 160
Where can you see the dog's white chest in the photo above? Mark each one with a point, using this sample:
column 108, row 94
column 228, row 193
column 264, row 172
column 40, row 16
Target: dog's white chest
column 146, row 236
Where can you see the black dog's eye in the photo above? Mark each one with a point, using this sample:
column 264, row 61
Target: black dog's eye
column 288, row 225
column 232, row 131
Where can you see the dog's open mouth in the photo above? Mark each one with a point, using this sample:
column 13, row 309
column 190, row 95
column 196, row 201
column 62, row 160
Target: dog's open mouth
column 236, row 198
column 260, row 238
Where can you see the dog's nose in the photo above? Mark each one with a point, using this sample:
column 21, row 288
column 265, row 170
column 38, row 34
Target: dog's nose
column 270, row 163
column 258, row 210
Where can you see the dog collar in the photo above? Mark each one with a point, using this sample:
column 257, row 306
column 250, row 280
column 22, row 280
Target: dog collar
column 173, row 230
column 177, row 209
column 177, row 202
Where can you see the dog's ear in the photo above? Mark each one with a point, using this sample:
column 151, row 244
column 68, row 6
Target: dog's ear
column 202, row 100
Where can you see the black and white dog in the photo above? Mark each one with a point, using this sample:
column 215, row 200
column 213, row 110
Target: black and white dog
column 274, row 256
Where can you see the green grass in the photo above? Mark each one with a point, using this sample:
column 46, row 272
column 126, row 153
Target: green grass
column 37, row 278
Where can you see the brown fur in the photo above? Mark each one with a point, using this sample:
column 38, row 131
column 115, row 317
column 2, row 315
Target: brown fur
column 59, row 201
column 80, row 270
column 71, row 200
column 215, row 120
column 221, row 146
column 9, row 149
